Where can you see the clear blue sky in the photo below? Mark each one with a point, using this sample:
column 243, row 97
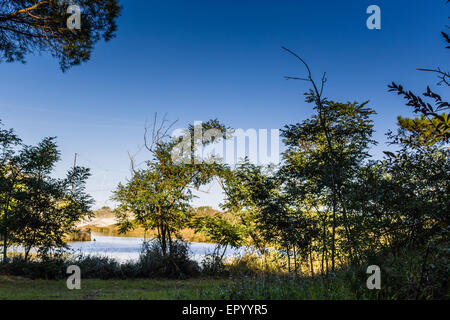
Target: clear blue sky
column 196, row 60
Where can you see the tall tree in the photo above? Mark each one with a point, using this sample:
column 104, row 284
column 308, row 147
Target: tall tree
column 9, row 177
column 247, row 188
column 47, row 208
column 159, row 195
column 38, row 211
column 337, row 138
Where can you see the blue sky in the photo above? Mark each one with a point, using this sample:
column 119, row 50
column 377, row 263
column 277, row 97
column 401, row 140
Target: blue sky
column 196, row 60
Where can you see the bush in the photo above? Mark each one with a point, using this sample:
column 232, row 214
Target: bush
column 97, row 267
column 177, row 264
column 419, row 273
column 49, row 269
column 213, row 265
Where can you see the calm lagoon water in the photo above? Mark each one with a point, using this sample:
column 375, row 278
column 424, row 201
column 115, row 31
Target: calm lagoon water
column 126, row 248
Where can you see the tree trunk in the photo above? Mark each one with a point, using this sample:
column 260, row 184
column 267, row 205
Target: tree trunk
column 169, row 237
column 326, row 260
column 324, row 244
column 289, row 259
column 333, row 234
column 347, row 229
column 5, row 228
column 5, row 243
column 163, row 240
column 27, row 252
column 295, row 260
column 311, row 260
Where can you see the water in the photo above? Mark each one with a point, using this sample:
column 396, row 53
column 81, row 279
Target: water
column 127, row 248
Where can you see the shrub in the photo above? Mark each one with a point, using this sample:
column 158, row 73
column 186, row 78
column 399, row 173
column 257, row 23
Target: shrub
column 213, row 265
column 33, row 269
column 176, row 264
column 97, row 267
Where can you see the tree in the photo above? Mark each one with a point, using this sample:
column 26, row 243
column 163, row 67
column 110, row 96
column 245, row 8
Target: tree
column 221, row 231
column 246, row 187
column 159, row 195
column 404, row 206
column 335, row 140
column 41, row 26
column 9, row 175
column 48, row 208
column 38, row 211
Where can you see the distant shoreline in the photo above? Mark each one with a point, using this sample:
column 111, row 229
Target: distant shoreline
column 107, row 226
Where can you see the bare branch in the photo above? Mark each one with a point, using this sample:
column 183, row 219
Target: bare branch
column 444, row 76
column 310, row 79
column 295, row 78
column 303, row 61
column 26, row 10
column 159, row 132
column 324, row 80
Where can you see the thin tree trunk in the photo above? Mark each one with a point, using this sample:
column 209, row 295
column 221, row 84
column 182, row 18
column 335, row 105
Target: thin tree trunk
column 223, row 253
column 330, row 153
column 5, row 236
column 5, row 229
column 324, row 244
column 347, row 230
column 295, row 261
column 5, row 245
column 163, row 240
column 169, row 237
column 326, row 260
column 322, row 118
column 311, row 260
column 289, row 259
column 333, row 234
column 27, row 251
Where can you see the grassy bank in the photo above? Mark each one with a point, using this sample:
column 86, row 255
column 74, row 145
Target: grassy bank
column 344, row 285
column 17, row 288
column 269, row 288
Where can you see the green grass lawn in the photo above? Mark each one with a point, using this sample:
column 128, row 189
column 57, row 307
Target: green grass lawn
column 12, row 288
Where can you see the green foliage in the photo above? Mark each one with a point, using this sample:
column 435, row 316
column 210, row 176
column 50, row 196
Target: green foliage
column 433, row 125
column 37, row 210
column 177, row 264
column 245, row 187
column 219, row 230
column 224, row 233
column 326, row 210
column 324, row 155
column 159, row 195
column 425, row 130
column 41, row 26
